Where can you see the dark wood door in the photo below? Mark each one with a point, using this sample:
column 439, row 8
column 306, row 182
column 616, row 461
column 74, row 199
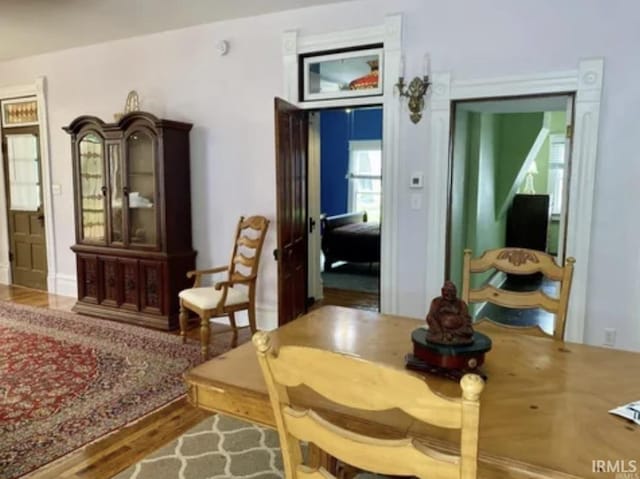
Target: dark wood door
column 28, row 255
column 291, row 129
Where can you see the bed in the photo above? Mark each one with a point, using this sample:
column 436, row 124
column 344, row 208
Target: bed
column 349, row 237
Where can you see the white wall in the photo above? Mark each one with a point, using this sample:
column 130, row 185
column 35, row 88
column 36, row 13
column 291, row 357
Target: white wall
column 229, row 99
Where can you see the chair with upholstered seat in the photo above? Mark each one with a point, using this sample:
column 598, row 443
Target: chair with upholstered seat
column 358, row 384
column 520, row 261
column 236, row 293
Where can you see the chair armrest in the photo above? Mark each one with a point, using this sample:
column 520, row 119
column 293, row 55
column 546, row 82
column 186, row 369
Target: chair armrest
column 232, row 282
column 199, row 273
column 225, row 285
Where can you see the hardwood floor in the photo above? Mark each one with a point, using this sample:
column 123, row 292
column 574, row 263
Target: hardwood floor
column 349, row 299
column 115, row 452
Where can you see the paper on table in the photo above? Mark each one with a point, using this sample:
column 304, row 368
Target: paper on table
column 629, row 411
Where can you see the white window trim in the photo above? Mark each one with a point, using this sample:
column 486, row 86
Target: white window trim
column 556, row 138
column 361, row 145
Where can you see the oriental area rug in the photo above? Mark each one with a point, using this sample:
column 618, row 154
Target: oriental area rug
column 67, row 380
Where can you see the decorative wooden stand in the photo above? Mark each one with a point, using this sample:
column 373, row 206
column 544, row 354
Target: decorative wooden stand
column 451, row 362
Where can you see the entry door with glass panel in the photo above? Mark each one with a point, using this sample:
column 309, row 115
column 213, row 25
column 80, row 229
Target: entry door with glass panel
column 25, row 214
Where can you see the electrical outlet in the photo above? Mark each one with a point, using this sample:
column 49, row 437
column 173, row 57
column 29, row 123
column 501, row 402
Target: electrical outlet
column 609, row 337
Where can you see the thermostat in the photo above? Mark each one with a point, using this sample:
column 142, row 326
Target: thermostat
column 416, row 180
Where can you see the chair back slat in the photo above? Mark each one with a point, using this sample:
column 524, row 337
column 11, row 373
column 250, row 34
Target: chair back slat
column 245, row 257
column 366, row 384
column 520, row 261
column 244, row 260
column 517, row 261
column 384, row 456
column 363, row 385
column 514, row 300
column 252, row 243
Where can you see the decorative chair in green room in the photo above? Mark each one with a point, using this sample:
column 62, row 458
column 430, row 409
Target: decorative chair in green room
column 520, row 261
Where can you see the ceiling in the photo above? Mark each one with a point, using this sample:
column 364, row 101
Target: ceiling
column 30, row 27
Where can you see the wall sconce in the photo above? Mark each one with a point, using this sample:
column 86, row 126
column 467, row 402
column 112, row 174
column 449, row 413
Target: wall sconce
column 416, row 91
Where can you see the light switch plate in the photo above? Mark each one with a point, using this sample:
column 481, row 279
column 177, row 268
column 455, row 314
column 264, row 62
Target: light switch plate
column 56, row 189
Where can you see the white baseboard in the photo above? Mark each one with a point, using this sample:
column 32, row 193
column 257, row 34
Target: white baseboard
column 5, row 274
column 266, row 318
column 61, row 284
column 65, row 285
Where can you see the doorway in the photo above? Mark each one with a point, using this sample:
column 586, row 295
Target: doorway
column 348, row 178
column 510, row 168
column 24, row 205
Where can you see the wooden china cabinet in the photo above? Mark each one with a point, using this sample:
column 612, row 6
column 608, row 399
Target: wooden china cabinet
column 132, row 217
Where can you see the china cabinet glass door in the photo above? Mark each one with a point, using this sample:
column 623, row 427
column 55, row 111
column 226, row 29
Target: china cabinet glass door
column 141, row 190
column 92, row 188
column 116, row 193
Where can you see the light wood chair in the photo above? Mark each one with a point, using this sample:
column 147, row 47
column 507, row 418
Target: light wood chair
column 236, row 293
column 520, row 261
column 359, row 384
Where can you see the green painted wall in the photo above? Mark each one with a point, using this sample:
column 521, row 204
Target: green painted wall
column 518, row 133
column 489, row 150
column 489, row 229
column 459, row 209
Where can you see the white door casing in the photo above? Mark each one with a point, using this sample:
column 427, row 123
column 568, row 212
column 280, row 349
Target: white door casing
column 586, row 82
column 37, row 90
column 389, row 34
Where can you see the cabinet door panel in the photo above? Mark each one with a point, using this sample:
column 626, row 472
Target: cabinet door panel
column 88, row 278
column 130, row 284
column 151, row 294
column 92, row 188
column 110, row 280
column 141, row 189
column 116, row 200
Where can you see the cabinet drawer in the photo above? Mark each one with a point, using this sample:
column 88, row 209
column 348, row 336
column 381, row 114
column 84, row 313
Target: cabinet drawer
column 88, row 277
column 152, row 281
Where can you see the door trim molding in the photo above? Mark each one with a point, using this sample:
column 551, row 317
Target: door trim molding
column 390, row 34
column 586, row 82
column 37, row 89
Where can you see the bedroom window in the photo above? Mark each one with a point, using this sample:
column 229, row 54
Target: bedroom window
column 365, row 177
column 556, row 172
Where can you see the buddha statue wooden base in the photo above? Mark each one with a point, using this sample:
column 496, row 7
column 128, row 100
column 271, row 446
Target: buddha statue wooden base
column 450, row 347
column 452, row 361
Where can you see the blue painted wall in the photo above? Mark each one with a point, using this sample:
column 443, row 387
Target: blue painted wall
column 337, row 128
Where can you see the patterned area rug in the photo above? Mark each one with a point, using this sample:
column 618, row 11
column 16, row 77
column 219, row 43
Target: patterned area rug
column 218, row 448
column 66, row 380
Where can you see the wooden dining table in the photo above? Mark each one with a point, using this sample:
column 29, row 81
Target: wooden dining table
column 544, row 410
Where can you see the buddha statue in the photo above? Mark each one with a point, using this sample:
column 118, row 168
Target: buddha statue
column 448, row 319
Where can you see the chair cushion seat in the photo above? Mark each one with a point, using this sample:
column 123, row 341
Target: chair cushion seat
column 208, row 297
